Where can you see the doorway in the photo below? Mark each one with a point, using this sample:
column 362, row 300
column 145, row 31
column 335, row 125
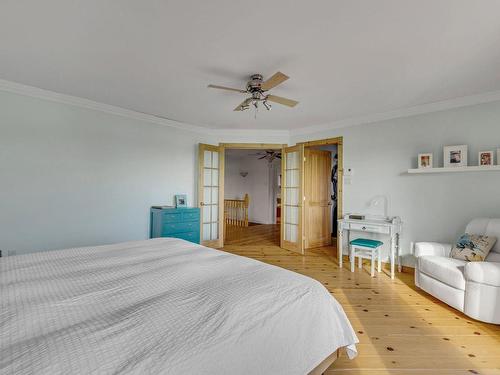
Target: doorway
column 288, row 205
column 323, row 168
column 320, row 192
column 251, row 194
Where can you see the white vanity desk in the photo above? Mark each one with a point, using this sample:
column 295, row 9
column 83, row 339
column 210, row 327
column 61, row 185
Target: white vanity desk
column 387, row 226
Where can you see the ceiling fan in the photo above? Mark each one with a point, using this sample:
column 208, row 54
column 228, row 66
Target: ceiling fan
column 269, row 155
column 258, row 88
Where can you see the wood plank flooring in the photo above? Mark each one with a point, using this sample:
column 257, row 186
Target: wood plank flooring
column 402, row 330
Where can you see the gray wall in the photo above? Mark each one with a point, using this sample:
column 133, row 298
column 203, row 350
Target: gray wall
column 72, row 177
column 433, row 207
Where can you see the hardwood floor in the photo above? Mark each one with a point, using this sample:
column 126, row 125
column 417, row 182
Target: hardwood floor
column 401, row 329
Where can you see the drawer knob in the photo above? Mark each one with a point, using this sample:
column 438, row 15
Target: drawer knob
column 364, row 228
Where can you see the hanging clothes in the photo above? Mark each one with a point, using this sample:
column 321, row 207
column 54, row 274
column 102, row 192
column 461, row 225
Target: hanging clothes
column 334, row 179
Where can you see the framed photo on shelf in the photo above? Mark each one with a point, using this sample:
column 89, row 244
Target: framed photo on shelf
column 498, row 156
column 424, row 161
column 485, row 158
column 455, row 156
column 181, row 201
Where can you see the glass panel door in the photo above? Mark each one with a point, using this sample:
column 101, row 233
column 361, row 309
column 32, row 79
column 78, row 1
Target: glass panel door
column 292, row 198
column 208, row 192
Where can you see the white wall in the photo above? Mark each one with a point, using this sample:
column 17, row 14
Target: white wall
column 257, row 184
column 71, row 176
column 433, row 207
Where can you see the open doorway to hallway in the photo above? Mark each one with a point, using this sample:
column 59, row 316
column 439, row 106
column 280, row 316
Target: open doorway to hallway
column 252, row 196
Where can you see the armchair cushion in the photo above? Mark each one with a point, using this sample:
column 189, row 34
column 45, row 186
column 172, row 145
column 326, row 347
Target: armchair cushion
column 432, row 248
column 447, row 270
column 483, row 273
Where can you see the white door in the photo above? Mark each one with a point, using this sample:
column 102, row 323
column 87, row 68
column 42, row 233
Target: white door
column 292, row 198
column 210, row 160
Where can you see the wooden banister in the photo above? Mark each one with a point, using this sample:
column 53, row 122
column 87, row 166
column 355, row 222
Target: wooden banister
column 236, row 211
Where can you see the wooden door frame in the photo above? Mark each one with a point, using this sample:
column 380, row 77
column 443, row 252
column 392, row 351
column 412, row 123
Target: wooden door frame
column 339, row 141
column 237, row 146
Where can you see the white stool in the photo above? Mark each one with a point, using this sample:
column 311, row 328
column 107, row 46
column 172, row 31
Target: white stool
column 365, row 249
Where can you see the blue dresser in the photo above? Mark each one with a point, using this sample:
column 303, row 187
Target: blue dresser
column 176, row 222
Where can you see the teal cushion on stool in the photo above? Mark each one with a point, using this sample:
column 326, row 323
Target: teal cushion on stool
column 366, row 243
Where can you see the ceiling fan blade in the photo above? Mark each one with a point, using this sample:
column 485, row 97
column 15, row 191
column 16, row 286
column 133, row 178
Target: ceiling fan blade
column 226, row 88
column 274, row 81
column 243, row 105
column 280, row 100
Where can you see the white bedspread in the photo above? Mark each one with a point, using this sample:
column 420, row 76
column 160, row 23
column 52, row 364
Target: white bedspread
column 162, row 306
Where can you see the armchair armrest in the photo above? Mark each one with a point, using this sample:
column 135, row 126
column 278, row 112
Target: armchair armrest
column 483, row 273
column 432, row 248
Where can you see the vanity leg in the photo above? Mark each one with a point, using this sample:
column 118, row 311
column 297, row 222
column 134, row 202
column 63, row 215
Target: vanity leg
column 393, row 249
column 340, row 243
column 398, row 249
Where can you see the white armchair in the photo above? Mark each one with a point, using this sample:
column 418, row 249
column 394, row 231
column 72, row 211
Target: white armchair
column 432, row 248
column 471, row 287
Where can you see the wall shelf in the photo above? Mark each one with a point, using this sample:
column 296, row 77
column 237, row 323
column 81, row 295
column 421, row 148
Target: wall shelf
column 482, row 168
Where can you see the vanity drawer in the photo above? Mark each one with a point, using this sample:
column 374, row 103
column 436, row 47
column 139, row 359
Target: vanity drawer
column 172, row 228
column 369, row 228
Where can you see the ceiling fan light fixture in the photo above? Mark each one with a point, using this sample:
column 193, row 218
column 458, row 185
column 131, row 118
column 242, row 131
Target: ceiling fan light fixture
column 257, row 88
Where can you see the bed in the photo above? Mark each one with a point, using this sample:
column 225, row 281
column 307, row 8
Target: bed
column 163, row 306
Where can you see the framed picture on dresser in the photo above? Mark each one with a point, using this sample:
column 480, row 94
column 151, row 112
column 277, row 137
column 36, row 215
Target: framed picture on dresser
column 181, row 201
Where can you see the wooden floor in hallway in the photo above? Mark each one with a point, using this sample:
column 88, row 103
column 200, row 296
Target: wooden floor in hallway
column 401, row 329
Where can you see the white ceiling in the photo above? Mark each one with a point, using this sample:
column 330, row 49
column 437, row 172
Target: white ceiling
column 345, row 58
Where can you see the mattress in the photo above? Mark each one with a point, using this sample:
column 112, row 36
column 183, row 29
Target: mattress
column 162, row 306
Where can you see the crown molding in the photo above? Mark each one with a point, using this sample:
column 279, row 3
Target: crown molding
column 250, row 132
column 35, row 92
column 21, row 89
column 443, row 105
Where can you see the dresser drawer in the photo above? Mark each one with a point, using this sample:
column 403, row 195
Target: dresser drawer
column 369, row 228
column 189, row 236
column 180, row 227
column 171, row 217
column 192, row 215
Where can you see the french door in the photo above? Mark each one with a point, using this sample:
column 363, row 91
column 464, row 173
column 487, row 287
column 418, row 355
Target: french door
column 318, row 200
column 292, row 198
column 210, row 190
